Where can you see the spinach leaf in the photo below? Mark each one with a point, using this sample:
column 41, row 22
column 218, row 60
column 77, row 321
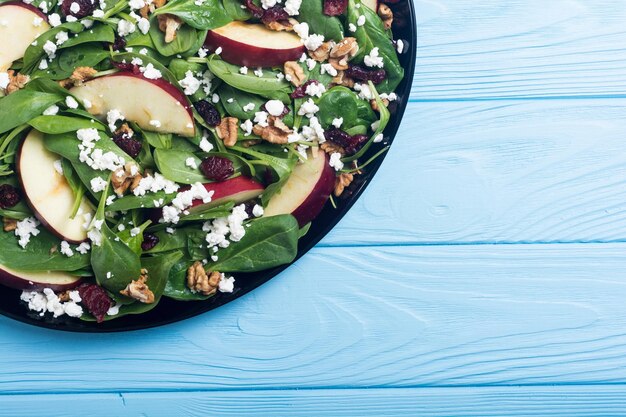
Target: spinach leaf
column 269, row 242
column 373, row 35
column 114, row 264
column 338, row 102
column 150, row 200
column 176, row 287
column 235, row 100
column 39, row 254
column 158, row 140
column 235, row 11
column 22, row 106
column 312, row 12
column 268, row 86
column 97, row 33
column 174, row 241
column 186, row 43
column 21, row 210
column 134, row 242
column 35, row 53
column 173, row 165
column 63, row 124
column 206, row 15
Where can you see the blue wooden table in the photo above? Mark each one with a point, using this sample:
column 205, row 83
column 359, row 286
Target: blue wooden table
column 482, row 274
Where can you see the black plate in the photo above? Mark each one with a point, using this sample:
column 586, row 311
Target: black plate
column 170, row 311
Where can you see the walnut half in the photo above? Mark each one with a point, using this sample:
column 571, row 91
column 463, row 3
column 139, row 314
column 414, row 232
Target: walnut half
column 343, row 52
column 17, row 81
column 342, row 182
column 276, row 132
column 9, row 224
column 228, row 131
column 125, row 178
column 199, row 281
column 169, row 24
column 139, row 290
column 386, row 14
column 294, row 73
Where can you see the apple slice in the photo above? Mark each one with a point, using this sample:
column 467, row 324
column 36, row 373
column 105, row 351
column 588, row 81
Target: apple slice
column 238, row 189
column 37, row 281
column 20, row 25
column 253, row 45
column 372, row 4
column 306, row 191
column 155, row 105
column 47, row 192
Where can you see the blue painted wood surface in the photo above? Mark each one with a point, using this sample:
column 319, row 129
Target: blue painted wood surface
column 482, row 274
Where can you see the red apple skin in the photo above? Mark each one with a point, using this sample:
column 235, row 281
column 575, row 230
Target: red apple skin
column 238, row 53
column 164, row 85
column 38, row 215
column 27, row 6
column 238, row 189
column 315, row 202
column 23, row 283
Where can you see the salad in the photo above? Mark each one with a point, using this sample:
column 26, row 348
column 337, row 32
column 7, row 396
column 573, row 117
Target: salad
column 155, row 148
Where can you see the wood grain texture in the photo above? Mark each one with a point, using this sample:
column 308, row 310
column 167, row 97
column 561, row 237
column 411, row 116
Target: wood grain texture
column 365, row 317
column 576, row 401
column 520, row 49
column 498, row 172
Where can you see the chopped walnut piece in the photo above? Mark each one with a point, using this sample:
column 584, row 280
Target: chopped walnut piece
column 282, row 25
column 276, row 132
column 139, row 290
column 169, row 24
column 342, row 182
column 82, row 74
column 9, row 224
column 54, row 249
column 64, row 297
column 199, row 281
column 374, row 104
column 294, row 73
column 125, row 130
column 331, row 148
column 123, row 178
column 228, row 131
column 322, row 53
column 343, row 79
column 150, row 8
column 17, row 81
column 342, row 53
column 386, row 14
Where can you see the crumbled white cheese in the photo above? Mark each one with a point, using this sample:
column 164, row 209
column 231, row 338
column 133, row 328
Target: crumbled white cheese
column 66, row 249
column 257, row 211
column 71, row 102
column 275, row 107
column 191, row 163
column 335, row 161
column 47, row 301
column 190, row 84
column 51, row 111
column 205, row 145
column 226, row 284
column 374, row 59
column 150, row 72
column 98, row 184
column 337, row 122
column 4, row 80
column 25, row 229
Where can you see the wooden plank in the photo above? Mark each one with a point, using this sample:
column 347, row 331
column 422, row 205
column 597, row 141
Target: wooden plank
column 498, row 172
column 365, row 317
column 530, row 48
column 574, row 401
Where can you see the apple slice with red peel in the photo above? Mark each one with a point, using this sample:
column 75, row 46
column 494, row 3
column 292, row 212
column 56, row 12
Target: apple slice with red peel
column 20, row 25
column 253, row 45
column 306, row 191
column 37, row 281
column 238, row 189
column 47, row 192
column 155, row 105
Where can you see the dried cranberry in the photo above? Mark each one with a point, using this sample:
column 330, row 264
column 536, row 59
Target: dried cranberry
column 217, row 168
column 208, row 112
column 119, row 44
column 149, row 241
column 275, row 14
column 82, row 9
column 335, row 7
column 9, row 196
column 359, row 73
column 96, row 300
column 128, row 144
column 351, row 144
column 126, row 66
column 300, row 92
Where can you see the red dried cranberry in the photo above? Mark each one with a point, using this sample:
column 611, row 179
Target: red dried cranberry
column 9, row 196
column 128, row 144
column 127, row 66
column 208, row 112
column 300, row 92
column 275, row 14
column 351, row 144
column 149, row 241
column 217, row 168
column 335, row 7
column 119, row 44
column 96, row 300
column 359, row 73
column 84, row 8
